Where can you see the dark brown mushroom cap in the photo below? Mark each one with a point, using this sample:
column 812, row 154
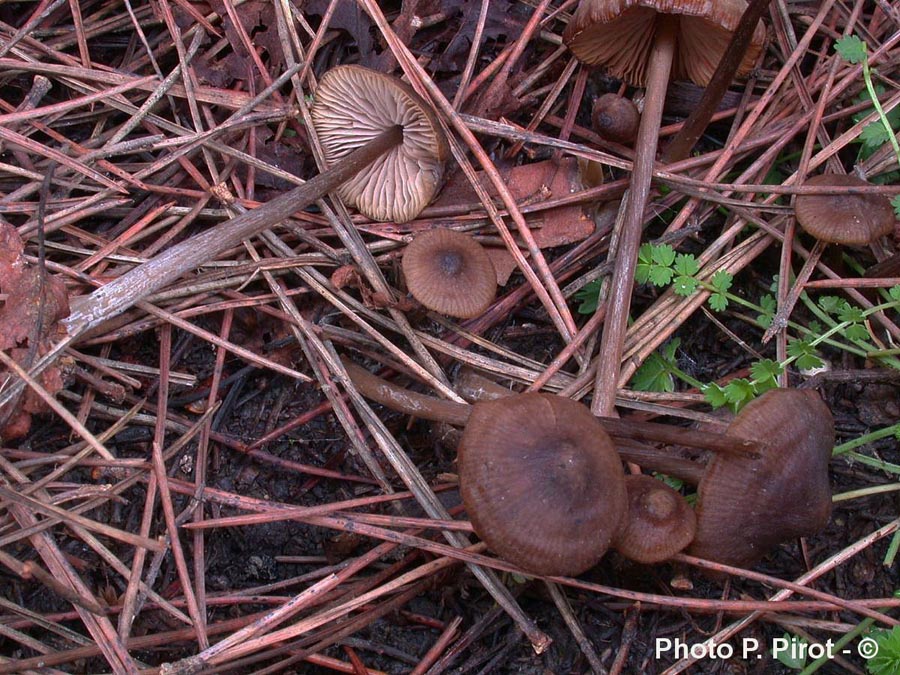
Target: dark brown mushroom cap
column 450, row 273
column 352, row 106
column 619, row 35
column 615, row 118
column 659, row 522
column 541, row 482
column 747, row 507
column 854, row 220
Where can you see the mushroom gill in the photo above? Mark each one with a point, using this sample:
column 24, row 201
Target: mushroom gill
column 354, row 104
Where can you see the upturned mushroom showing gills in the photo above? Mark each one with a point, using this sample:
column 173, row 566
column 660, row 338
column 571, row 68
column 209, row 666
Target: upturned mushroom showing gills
column 449, row 272
column 643, row 42
column 658, row 524
column 746, row 508
column 541, row 482
column 354, row 104
column 844, row 219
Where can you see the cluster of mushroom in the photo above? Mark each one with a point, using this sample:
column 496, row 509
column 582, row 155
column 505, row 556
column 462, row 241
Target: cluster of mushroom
column 447, row 271
column 544, row 487
column 540, row 477
column 543, row 484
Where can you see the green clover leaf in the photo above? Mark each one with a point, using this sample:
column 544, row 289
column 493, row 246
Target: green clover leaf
column 851, row 48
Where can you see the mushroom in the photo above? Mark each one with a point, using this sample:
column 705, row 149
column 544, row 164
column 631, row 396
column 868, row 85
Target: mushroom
column 354, row 104
column 541, row 482
column 854, row 220
column 449, row 272
column 622, row 34
column 615, row 118
column 430, row 408
column 124, row 291
column 746, row 508
column 529, row 447
column 642, row 42
column 848, row 219
column 659, row 522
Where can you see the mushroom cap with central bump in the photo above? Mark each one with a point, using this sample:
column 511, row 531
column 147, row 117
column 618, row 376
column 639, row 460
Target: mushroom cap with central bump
column 619, row 34
column 449, row 272
column 659, row 522
column 852, row 220
column 353, row 105
column 745, row 506
column 541, row 482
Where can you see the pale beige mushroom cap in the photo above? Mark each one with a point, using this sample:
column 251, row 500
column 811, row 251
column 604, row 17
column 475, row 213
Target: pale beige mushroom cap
column 619, row 34
column 353, row 105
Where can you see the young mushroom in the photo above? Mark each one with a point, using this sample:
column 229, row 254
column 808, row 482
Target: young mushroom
column 615, row 118
column 354, row 104
column 852, row 220
column 541, row 482
column 746, row 508
column 449, row 272
column 643, row 42
column 659, row 522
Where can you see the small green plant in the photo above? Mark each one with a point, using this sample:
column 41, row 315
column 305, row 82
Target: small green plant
column 838, row 324
column 658, row 371
column 740, row 391
column 660, row 265
column 837, row 319
column 589, row 296
column 852, row 49
column 887, row 660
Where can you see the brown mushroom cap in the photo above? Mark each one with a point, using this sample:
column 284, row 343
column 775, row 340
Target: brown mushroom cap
column 541, row 482
column 353, row 105
column 854, row 220
column 747, row 507
column 619, row 34
column 615, row 118
column 449, row 272
column 659, row 522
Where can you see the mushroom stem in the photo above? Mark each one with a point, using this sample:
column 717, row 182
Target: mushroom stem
column 693, row 438
column 438, row 410
column 122, row 293
column 405, row 401
column 631, row 216
column 651, row 458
